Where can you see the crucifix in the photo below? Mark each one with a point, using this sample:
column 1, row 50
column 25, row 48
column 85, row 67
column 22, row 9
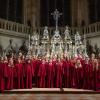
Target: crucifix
column 56, row 15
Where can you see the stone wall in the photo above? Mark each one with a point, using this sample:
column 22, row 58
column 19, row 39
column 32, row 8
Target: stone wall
column 95, row 40
column 5, row 41
column 17, row 39
column 31, row 12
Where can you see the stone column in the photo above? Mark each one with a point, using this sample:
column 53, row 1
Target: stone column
column 79, row 12
column 25, row 12
column 38, row 13
column 31, row 11
column 74, row 12
column 83, row 13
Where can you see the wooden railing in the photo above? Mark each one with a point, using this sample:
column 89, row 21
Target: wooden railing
column 16, row 27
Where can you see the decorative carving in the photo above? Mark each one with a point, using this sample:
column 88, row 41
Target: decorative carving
column 35, row 39
column 23, row 48
column 56, row 16
column 78, row 40
column 46, row 34
column 68, row 42
column 1, row 50
column 56, row 43
column 45, row 40
column 10, row 49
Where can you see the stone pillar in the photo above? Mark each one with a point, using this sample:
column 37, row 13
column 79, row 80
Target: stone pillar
column 83, row 13
column 38, row 13
column 74, row 12
column 25, row 12
column 79, row 12
column 31, row 11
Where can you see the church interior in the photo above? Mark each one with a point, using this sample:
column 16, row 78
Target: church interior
column 61, row 34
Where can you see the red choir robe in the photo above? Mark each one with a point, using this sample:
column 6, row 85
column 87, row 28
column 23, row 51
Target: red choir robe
column 2, row 83
column 86, row 75
column 6, row 75
column 71, row 74
column 79, row 74
column 38, row 63
column 54, row 64
column 10, row 84
column 50, row 75
column 93, row 75
column 95, row 71
column 24, row 63
column 66, row 72
column 46, row 79
column 29, row 73
column 98, row 75
column 59, row 74
column 34, row 64
column 19, row 75
column 5, row 69
column 95, row 85
column 42, row 75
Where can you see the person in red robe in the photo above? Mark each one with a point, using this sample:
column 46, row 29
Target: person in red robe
column 54, row 61
column 23, row 62
column 29, row 73
column 98, row 73
column 10, row 84
column 5, row 67
column 37, row 64
column 71, row 72
column 94, row 65
column 5, row 63
column 20, row 74
column 50, row 74
column 34, row 65
column 86, row 67
column 59, row 73
column 46, row 66
column 2, row 83
column 78, row 74
column 42, row 74
column 66, row 71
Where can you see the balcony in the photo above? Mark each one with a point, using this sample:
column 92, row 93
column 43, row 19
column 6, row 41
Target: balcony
column 20, row 30
column 13, row 29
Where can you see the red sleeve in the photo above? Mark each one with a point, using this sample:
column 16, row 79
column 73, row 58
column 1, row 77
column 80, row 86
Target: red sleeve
column 15, row 70
column 39, row 72
column 32, row 70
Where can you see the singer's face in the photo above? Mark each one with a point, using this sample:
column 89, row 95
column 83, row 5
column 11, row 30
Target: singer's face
column 87, row 59
column 6, row 58
column 11, row 60
column 99, row 55
column 78, row 62
column 29, row 61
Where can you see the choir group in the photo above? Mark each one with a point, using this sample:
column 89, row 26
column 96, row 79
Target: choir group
column 50, row 72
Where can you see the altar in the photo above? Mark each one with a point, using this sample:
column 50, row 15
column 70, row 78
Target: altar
column 58, row 43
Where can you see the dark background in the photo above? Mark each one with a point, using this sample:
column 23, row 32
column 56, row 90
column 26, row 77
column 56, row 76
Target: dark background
column 48, row 7
column 12, row 10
